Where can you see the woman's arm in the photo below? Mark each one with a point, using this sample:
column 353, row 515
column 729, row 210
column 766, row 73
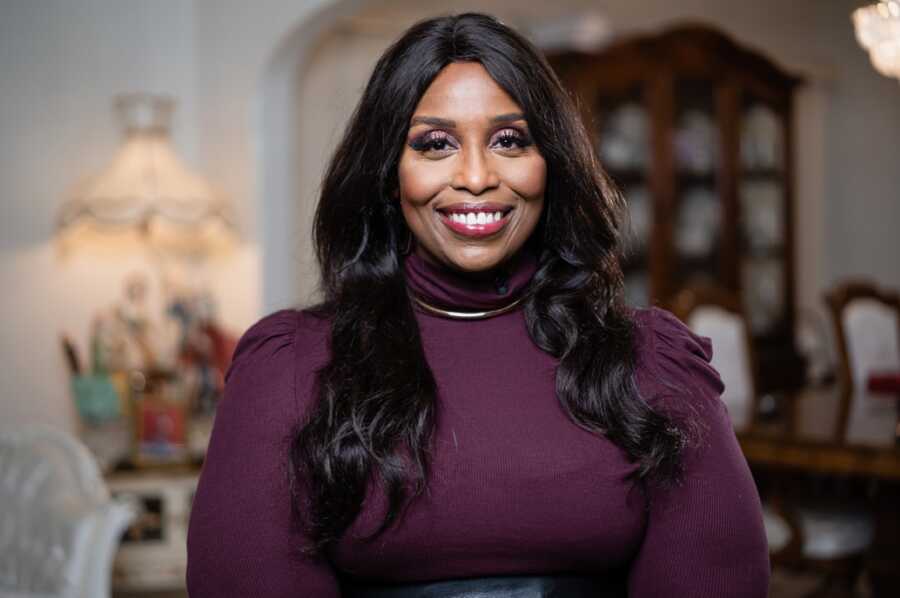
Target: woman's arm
column 242, row 540
column 704, row 534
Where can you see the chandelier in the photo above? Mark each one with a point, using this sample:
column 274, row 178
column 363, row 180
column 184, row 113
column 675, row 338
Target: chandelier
column 878, row 31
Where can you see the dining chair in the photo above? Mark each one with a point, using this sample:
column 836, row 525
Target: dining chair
column 866, row 324
column 718, row 314
column 60, row 528
column 800, row 532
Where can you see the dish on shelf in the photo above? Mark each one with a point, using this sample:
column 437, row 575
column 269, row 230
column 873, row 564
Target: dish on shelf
column 696, row 150
column 698, row 222
column 761, row 215
column 762, row 293
column 623, row 138
column 639, row 216
column 761, row 143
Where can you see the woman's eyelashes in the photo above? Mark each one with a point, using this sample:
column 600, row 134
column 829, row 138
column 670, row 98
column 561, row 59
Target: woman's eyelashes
column 439, row 143
column 511, row 139
column 433, row 141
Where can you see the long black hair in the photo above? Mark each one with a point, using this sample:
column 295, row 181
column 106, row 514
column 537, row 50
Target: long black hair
column 375, row 410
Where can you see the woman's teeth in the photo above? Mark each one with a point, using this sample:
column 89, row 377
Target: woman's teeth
column 473, row 218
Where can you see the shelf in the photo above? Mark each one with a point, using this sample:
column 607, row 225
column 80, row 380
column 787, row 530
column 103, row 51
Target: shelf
column 687, row 266
column 695, row 179
column 627, row 177
column 761, row 174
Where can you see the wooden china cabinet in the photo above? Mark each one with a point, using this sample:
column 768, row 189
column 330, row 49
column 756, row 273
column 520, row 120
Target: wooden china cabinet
column 696, row 132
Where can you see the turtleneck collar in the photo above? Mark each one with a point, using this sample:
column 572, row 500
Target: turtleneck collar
column 443, row 287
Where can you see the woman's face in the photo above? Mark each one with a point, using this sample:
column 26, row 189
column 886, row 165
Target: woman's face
column 471, row 179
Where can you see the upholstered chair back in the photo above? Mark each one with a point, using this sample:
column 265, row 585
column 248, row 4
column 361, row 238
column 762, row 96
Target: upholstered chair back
column 867, row 330
column 718, row 315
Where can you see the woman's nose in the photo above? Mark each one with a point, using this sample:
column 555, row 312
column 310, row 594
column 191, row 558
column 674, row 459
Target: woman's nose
column 476, row 173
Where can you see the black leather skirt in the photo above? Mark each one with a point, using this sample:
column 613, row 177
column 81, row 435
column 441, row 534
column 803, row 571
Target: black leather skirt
column 544, row 586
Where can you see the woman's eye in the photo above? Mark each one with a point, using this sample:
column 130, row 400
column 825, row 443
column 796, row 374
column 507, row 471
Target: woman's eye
column 440, row 143
column 433, row 141
column 511, row 139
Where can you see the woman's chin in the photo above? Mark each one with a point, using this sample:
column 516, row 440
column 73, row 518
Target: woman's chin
column 473, row 262
column 466, row 257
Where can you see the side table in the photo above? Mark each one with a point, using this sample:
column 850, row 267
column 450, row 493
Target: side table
column 153, row 553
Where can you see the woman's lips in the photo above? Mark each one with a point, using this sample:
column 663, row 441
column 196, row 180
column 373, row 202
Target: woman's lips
column 481, row 221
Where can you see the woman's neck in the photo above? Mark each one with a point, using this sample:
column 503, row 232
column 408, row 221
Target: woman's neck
column 442, row 286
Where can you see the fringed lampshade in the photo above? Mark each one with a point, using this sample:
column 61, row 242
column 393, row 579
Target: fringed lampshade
column 146, row 191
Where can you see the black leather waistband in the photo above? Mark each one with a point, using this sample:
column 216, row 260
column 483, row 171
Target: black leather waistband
column 553, row 586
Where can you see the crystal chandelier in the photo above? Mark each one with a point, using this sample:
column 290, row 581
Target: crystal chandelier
column 878, row 31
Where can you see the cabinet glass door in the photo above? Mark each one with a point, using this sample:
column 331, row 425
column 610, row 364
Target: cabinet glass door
column 623, row 145
column 697, row 221
column 762, row 216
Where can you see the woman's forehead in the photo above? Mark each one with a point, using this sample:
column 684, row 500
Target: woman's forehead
column 464, row 91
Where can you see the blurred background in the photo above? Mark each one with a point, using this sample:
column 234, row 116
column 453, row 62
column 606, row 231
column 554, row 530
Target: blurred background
column 160, row 163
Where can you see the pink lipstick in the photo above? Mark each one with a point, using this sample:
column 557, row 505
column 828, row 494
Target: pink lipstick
column 475, row 220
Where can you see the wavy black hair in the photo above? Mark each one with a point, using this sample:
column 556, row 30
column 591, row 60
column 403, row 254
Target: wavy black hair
column 376, row 403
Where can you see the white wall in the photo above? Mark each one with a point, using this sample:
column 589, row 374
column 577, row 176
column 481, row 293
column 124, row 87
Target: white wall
column 247, row 55
column 862, row 188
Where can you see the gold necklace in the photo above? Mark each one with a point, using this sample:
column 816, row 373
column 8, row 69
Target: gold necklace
column 466, row 315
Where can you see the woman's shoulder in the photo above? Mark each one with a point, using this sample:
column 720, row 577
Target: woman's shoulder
column 274, row 357
column 672, row 362
column 281, row 332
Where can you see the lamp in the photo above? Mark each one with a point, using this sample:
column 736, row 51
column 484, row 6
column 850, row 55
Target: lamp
column 146, row 190
column 878, row 31
column 149, row 200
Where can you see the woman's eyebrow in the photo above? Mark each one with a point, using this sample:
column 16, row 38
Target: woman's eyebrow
column 508, row 117
column 432, row 120
column 445, row 122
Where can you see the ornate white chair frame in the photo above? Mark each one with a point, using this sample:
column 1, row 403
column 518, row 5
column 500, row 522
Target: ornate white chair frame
column 59, row 528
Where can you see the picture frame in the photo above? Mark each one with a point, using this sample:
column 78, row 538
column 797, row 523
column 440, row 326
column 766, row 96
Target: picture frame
column 161, row 424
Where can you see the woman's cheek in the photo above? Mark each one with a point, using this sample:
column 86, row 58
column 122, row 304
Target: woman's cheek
column 421, row 180
column 528, row 178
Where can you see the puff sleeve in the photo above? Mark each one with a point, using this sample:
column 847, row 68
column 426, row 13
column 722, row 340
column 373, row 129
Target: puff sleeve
column 241, row 539
column 704, row 534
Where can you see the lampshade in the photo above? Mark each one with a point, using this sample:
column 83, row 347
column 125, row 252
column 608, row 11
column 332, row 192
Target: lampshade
column 878, row 31
column 146, row 191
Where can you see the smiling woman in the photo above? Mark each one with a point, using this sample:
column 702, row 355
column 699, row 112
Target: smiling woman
column 473, row 410
column 471, row 180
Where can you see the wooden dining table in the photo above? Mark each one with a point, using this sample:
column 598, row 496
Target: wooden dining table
column 807, row 434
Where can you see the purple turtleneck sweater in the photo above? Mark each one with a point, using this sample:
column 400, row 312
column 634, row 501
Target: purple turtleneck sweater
column 516, row 487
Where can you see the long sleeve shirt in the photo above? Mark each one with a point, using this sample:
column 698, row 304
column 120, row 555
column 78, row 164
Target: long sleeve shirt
column 515, row 486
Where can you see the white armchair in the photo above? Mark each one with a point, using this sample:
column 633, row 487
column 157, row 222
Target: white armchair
column 59, row 529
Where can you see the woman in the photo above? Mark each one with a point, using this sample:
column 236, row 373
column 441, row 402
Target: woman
column 472, row 400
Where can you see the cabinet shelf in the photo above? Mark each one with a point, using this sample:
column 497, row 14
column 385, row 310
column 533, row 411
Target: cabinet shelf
column 628, row 177
column 762, row 174
column 695, row 179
